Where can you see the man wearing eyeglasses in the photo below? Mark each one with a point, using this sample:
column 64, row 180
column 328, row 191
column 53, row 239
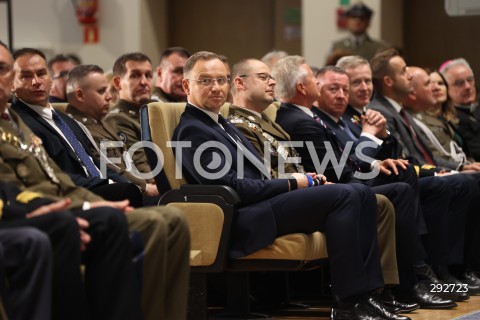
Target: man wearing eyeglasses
column 132, row 77
column 462, row 91
column 274, row 207
column 59, row 67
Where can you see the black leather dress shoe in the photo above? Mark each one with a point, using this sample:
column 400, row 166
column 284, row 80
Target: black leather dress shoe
column 395, row 306
column 427, row 300
column 473, row 282
column 375, row 304
column 359, row 311
column 442, row 287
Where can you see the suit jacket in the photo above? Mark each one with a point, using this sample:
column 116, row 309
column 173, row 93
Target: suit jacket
column 60, row 150
column 407, row 148
column 302, row 127
column 379, row 152
column 255, row 227
column 469, row 128
column 25, row 164
column 261, row 131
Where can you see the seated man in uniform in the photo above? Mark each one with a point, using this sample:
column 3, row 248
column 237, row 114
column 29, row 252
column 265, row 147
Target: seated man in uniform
column 274, row 207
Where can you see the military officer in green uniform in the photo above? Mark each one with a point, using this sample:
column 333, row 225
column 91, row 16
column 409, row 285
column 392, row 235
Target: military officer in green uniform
column 132, row 77
column 89, row 103
column 359, row 42
column 163, row 231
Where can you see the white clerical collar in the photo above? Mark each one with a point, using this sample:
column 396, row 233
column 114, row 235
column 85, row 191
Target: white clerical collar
column 211, row 114
column 305, row 109
column 395, row 104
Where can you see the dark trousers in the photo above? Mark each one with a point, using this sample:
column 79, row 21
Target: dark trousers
column 109, row 290
column 348, row 216
column 120, row 191
column 26, row 258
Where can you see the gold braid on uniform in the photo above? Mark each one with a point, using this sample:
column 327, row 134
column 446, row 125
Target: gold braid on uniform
column 275, row 147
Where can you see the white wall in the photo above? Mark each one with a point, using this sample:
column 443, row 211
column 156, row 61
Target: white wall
column 51, row 25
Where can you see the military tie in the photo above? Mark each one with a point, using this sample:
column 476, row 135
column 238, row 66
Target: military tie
column 76, row 145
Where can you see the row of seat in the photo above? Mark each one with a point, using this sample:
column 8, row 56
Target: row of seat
column 210, row 211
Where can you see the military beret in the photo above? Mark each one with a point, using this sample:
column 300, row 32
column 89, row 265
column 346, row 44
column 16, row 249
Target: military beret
column 359, row 10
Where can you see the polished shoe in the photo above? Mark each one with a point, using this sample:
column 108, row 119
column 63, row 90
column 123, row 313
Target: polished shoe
column 395, row 306
column 375, row 304
column 461, row 289
column 425, row 299
column 472, row 281
column 442, row 287
column 357, row 312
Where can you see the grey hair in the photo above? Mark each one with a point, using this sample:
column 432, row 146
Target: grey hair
column 453, row 63
column 351, row 62
column 273, row 56
column 287, row 73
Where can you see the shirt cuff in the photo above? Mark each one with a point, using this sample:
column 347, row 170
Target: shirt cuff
column 372, row 137
column 86, row 206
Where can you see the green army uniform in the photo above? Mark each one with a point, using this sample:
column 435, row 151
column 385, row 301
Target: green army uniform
column 260, row 130
column 164, row 231
column 367, row 48
column 125, row 118
column 101, row 131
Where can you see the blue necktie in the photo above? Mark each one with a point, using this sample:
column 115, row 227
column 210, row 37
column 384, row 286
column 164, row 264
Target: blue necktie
column 77, row 147
column 347, row 130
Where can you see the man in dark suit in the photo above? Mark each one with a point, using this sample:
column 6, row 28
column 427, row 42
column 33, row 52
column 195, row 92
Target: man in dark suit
column 304, row 125
column 162, row 231
column 271, row 208
column 252, row 92
column 392, row 84
column 26, row 264
column 62, row 137
column 25, row 164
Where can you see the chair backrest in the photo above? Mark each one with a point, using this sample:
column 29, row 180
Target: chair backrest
column 60, row 106
column 158, row 121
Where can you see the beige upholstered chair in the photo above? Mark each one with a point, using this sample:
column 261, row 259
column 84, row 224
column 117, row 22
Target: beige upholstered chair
column 210, row 211
column 59, row 106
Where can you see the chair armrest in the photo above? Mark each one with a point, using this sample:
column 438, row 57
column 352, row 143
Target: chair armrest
column 224, row 197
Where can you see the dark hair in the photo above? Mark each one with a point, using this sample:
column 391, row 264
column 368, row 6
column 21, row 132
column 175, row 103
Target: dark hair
column 24, row 51
column 74, row 58
column 334, row 69
column 78, row 73
column 4, row 45
column 119, row 68
column 57, row 58
column 181, row 51
column 380, row 65
column 201, row 55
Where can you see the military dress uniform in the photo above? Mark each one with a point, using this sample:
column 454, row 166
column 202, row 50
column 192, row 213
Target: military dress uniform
column 164, row 232
column 366, row 47
column 125, row 118
column 261, row 129
column 102, row 132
